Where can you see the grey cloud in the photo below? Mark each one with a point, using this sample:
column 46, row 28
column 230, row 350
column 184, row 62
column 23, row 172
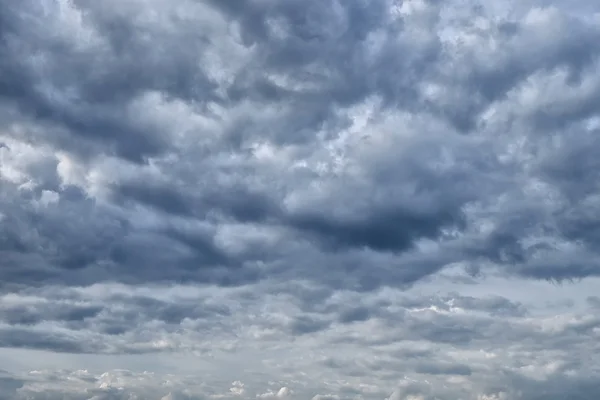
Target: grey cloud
column 28, row 315
column 391, row 230
column 83, row 385
column 355, row 314
column 297, row 82
column 165, row 199
column 64, row 238
column 493, row 75
column 495, row 305
column 304, row 324
column 557, row 386
column 301, row 162
column 37, row 339
column 444, row 369
column 594, row 301
column 9, row 385
column 66, row 322
column 447, row 330
column 238, row 203
column 133, row 323
column 426, row 338
column 84, row 89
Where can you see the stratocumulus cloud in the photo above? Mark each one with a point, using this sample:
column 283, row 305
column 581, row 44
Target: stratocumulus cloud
column 317, row 199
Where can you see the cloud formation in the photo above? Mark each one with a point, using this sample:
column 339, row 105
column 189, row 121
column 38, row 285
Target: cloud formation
column 194, row 341
column 224, row 140
column 217, row 177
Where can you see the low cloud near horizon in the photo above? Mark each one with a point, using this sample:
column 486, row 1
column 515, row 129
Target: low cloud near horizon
column 299, row 199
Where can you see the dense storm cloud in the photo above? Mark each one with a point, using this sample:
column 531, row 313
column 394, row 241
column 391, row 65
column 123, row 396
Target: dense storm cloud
column 387, row 199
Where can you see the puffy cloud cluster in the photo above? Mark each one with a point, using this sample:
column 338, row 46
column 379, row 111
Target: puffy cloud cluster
column 211, row 177
column 227, row 140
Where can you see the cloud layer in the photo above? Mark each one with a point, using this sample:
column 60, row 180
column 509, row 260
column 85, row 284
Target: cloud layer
column 181, row 177
column 240, row 343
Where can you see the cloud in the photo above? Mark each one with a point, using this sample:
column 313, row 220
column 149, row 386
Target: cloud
column 282, row 393
column 444, row 345
column 262, row 127
column 343, row 195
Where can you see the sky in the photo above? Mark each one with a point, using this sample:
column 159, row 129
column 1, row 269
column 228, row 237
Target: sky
column 299, row 199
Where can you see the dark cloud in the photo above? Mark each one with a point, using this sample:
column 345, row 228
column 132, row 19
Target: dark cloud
column 28, row 315
column 304, row 325
column 84, row 90
column 182, row 110
column 393, row 230
column 355, row 314
column 59, row 342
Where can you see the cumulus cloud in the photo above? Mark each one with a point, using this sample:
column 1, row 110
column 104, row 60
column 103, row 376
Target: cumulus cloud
column 233, row 138
column 214, row 178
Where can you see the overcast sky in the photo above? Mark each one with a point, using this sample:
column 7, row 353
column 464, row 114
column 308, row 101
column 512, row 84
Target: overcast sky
column 299, row 199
